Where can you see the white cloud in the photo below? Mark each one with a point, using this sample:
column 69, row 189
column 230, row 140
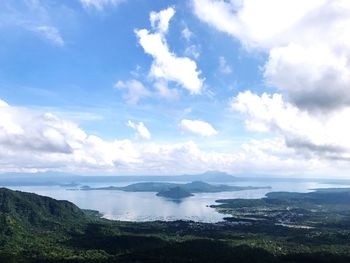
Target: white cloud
column 33, row 16
column 186, row 33
column 223, row 66
column 192, row 51
column 3, row 104
column 269, row 23
column 197, row 127
column 308, row 43
column 164, row 91
column 37, row 141
column 308, row 49
column 167, row 66
column 160, row 21
column 99, row 4
column 326, row 137
column 314, row 77
column 255, row 157
column 135, row 90
column 50, row 33
column 141, row 130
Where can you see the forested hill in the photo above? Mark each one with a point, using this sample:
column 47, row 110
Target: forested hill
column 30, row 209
column 35, row 228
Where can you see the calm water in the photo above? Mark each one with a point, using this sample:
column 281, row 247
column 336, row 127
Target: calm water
column 133, row 206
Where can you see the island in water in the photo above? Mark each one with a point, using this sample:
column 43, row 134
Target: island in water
column 175, row 190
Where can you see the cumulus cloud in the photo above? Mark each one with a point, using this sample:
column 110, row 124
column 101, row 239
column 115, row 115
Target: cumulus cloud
column 198, row 127
column 99, row 4
column 3, row 104
column 307, row 42
column 160, row 21
column 326, row 137
column 33, row 141
column 314, row 77
column 38, row 141
column 167, row 66
column 140, row 129
column 254, row 157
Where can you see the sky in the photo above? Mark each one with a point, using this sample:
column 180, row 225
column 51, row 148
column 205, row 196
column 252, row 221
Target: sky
column 121, row 87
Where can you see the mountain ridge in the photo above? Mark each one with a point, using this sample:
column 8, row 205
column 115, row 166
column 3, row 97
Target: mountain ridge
column 48, row 178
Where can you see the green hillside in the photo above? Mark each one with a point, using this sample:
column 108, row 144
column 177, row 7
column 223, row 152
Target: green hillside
column 34, row 210
column 35, row 228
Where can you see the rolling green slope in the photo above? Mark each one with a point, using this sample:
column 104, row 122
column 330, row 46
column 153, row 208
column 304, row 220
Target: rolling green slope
column 34, row 210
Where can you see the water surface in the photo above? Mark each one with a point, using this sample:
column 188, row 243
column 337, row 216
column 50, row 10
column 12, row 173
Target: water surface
column 143, row 206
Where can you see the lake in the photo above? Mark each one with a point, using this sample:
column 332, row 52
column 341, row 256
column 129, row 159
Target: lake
column 143, row 206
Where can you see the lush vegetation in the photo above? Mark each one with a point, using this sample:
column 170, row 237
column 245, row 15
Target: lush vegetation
column 174, row 193
column 322, row 208
column 40, row 229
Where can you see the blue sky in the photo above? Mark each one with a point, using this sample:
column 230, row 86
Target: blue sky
column 100, row 48
column 83, row 61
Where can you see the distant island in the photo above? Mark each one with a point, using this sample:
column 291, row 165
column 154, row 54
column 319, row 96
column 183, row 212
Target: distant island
column 170, row 189
column 176, row 192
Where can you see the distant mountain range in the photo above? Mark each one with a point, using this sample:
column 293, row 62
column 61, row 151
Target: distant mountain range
column 66, row 180
column 17, row 179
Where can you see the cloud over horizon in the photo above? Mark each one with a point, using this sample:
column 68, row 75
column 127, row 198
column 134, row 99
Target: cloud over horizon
column 308, row 63
column 248, row 86
column 307, row 43
column 326, row 137
column 34, row 141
